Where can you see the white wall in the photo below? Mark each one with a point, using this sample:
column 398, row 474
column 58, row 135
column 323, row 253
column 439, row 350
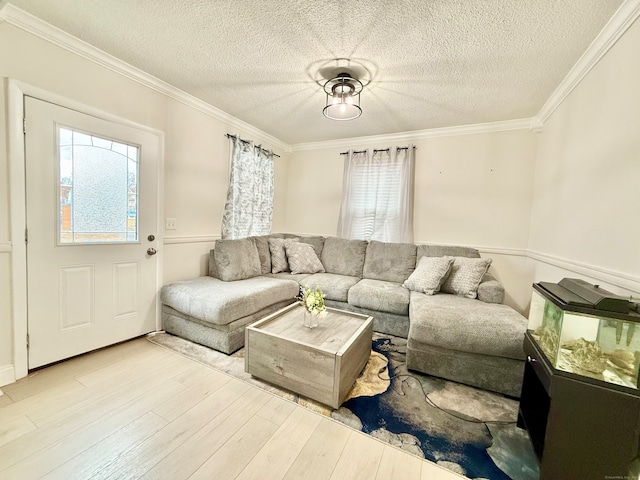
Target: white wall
column 472, row 190
column 196, row 155
column 585, row 218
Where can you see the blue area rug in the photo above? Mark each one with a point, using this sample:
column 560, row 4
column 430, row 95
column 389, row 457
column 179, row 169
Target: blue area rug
column 469, row 431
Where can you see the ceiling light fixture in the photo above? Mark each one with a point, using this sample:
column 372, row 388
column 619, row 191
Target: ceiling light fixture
column 343, row 97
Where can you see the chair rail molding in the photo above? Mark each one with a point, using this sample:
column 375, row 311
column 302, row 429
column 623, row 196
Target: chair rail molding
column 5, row 247
column 619, row 279
column 178, row 239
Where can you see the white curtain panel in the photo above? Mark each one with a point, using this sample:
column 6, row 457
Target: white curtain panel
column 249, row 207
column 377, row 202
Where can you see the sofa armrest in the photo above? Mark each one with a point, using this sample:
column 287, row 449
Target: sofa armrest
column 490, row 290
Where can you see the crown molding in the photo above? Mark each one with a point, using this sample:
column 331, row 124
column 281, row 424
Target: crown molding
column 521, row 124
column 628, row 12
column 31, row 24
column 536, row 125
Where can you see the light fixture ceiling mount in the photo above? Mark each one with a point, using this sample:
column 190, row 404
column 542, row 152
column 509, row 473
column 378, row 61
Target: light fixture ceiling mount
column 343, row 97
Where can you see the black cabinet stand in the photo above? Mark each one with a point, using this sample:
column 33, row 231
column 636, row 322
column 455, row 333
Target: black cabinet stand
column 580, row 429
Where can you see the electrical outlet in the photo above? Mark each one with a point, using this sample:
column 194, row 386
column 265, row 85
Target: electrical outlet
column 171, row 223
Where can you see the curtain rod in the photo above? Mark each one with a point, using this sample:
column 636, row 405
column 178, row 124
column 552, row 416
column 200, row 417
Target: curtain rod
column 378, row 150
column 228, row 135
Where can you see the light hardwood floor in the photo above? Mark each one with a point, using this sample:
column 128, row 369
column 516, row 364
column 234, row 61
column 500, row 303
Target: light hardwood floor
column 137, row 410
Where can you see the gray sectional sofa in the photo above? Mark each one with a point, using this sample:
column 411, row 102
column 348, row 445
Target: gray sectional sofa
column 477, row 341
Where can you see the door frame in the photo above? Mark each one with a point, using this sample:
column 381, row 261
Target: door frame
column 15, row 93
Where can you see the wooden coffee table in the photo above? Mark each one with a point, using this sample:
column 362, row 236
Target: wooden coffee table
column 320, row 363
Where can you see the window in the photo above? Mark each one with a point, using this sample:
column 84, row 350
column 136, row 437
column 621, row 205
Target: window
column 377, row 199
column 98, row 189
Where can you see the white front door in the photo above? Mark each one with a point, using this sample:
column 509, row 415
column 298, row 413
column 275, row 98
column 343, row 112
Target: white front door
column 91, row 218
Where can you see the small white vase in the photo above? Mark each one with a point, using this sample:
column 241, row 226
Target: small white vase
column 309, row 320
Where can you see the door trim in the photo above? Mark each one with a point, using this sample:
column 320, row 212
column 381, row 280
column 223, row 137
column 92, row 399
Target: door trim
column 15, row 93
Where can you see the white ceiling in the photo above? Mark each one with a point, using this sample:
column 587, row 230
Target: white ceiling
column 433, row 63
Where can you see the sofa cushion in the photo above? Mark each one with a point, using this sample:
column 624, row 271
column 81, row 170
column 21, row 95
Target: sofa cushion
column 380, row 295
column 450, row 250
column 344, row 257
column 465, row 276
column 214, row 301
column 279, row 261
column 302, row 258
column 335, row 287
column 316, row 241
column 429, row 275
column 262, row 244
column 392, row 262
column 236, row 259
column 464, row 324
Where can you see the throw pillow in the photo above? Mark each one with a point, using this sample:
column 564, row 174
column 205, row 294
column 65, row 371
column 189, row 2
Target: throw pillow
column 465, row 276
column 236, row 259
column 429, row 275
column 302, row 258
column 279, row 261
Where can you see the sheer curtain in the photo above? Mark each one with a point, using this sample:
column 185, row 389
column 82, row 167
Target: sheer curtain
column 377, row 195
column 249, row 207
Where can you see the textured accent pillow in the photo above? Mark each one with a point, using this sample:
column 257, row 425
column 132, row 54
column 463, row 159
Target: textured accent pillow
column 279, row 261
column 465, row 276
column 302, row 258
column 317, row 241
column 236, row 259
column 429, row 275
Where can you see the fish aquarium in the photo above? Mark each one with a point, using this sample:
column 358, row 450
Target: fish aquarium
column 585, row 330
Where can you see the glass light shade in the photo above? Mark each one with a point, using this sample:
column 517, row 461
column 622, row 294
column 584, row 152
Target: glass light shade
column 343, row 98
column 342, row 107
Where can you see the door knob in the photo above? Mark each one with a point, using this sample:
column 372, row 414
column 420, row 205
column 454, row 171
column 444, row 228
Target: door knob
column 151, row 251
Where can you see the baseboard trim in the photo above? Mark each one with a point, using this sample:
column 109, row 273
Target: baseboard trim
column 177, row 239
column 7, row 375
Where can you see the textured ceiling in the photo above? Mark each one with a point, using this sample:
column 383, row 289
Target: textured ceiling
column 435, row 63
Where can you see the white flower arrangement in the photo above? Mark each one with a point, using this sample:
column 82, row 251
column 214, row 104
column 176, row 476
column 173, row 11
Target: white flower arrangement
column 313, row 301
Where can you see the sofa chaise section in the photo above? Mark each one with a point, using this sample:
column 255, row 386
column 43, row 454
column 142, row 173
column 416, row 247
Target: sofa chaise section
column 214, row 313
column 467, row 341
